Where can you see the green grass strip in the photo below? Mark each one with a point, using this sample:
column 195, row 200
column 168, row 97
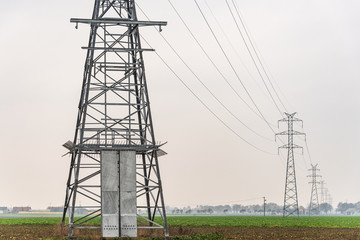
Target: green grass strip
column 233, row 221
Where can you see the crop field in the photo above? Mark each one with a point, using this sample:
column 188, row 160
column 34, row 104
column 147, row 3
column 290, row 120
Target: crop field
column 201, row 227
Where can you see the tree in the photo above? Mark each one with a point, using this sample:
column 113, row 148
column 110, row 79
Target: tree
column 273, row 208
column 236, row 208
column 325, row 207
column 342, row 207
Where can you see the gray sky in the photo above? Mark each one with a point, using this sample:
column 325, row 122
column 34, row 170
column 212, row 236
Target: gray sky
column 310, row 47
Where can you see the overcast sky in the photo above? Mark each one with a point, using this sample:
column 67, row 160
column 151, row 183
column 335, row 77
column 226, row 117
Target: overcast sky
column 311, row 48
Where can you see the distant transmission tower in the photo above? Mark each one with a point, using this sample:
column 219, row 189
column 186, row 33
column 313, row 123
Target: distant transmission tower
column 114, row 170
column 329, row 199
column 314, row 207
column 290, row 198
column 322, row 191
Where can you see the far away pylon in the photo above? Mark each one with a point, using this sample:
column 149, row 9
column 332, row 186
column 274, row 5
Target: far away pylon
column 291, row 207
column 314, row 207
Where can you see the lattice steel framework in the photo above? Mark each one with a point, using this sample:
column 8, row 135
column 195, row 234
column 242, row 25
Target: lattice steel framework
column 322, row 191
column 114, row 114
column 314, row 207
column 290, row 196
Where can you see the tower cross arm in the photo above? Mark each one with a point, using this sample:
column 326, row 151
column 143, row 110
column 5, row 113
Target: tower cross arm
column 282, row 133
column 298, row 133
column 117, row 21
column 317, row 176
column 289, row 133
column 297, row 120
column 291, row 118
column 283, row 120
column 290, row 146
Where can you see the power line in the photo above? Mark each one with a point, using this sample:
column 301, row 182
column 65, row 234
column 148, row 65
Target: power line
column 218, row 70
column 252, row 57
column 282, row 158
column 304, row 160
column 210, row 59
column 226, row 36
column 223, row 51
column 259, row 55
column 244, row 200
column 222, row 203
column 236, row 52
column 256, row 53
column 307, row 147
column 209, row 56
column 204, row 104
column 204, row 85
column 199, row 79
column 232, row 67
column 307, row 150
column 212, row 94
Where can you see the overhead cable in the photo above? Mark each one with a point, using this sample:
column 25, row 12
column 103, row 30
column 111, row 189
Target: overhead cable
column 204, row 104
column 258, row 55
column 218, row 70
column 253, row 59
column 236, row 52
column 308, row 151
column 232, row 66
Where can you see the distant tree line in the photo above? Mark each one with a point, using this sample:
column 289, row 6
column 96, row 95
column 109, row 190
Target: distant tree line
column 271, row 209
column 236, row 209
column 348, row 208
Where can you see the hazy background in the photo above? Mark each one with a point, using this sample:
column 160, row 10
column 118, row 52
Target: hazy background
column 310, row 47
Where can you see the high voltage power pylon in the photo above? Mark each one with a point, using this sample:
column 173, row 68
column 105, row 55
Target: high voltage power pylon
column 328, row 197
column 314, row 207
column 322, row 191
column 290, row 197
column 325, row 195
column 114, row 168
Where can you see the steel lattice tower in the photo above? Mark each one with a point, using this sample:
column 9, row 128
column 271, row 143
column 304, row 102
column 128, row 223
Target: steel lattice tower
column 322, row 191
column 314, row 208
column 325, row 196
column 114, row 171
column 290, row 197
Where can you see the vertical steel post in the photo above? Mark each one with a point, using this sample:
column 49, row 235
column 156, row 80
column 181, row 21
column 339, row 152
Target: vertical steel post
column 264, row 205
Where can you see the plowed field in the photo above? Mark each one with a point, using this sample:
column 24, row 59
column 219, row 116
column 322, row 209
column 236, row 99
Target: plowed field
column 190, row 232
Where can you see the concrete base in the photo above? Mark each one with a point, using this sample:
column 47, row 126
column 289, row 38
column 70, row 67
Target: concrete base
column 118, row 194
column 128, row 217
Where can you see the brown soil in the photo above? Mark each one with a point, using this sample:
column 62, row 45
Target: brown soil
column 55, row 232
